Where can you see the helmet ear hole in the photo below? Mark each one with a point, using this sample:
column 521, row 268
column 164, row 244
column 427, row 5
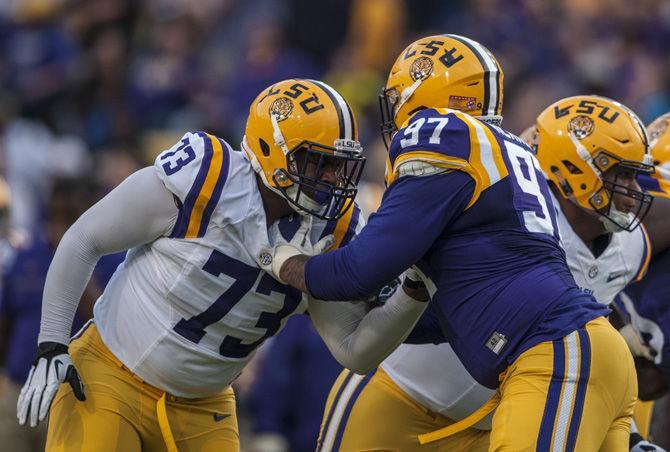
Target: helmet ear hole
column 571, row 167
column 265, row 148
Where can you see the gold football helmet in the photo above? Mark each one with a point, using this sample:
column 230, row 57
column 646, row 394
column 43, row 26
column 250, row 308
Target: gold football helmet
column 659, row 140
column 659, row 144
column 442, row 71
column 299, row 131
column 580, row 138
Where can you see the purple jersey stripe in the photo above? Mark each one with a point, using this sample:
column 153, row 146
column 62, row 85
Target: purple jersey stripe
column 186, row 209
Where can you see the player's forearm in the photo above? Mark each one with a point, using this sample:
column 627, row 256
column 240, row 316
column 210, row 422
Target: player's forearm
column 293, row 272
column 361, row 339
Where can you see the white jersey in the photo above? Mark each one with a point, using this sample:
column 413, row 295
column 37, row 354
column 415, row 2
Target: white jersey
column 625, row 260
column 451, row 391
column 433, row 376
column 186, row 312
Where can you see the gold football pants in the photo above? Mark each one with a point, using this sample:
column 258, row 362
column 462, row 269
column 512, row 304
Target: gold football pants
column 371, row 413
column 122, row 413
column 573, row 394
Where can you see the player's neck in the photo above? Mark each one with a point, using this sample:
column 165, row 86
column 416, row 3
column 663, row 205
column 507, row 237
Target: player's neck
column 274, row 205
column 587, row 226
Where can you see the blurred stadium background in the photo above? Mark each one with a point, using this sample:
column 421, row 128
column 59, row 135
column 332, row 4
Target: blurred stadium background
column 91, row 90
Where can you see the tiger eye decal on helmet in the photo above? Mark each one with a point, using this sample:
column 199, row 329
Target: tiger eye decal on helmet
column 580, row 138
column 581, row 126
column 302, row 141
column 442, row 71
column 421, row 68
column 281, row 108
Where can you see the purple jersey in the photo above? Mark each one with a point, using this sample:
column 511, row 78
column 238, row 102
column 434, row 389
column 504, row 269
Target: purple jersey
column 646, row 304
column 485, row 235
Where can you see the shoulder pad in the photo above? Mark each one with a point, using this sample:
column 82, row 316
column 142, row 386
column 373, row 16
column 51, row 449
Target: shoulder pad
column 442, row 131
column 195, row 171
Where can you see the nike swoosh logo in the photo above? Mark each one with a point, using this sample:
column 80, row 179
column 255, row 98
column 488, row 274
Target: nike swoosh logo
column 219, row 417
column 613, row 276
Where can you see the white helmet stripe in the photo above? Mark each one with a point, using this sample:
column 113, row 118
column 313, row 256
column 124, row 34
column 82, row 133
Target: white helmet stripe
column 342, row 108
column 491, row 71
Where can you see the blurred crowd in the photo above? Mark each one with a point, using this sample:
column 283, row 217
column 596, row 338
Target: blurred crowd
column 91, row 90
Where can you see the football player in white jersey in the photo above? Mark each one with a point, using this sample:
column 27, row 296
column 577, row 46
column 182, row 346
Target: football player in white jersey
column 185, row 311
column 577, row 141
column 644, row 304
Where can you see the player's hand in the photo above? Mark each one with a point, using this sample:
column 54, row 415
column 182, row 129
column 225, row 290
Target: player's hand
column 51, row 367
column 273, row 259
column 638, row 444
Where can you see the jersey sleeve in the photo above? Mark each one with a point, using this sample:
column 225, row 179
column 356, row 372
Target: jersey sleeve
column 451, row 140
column 393, row 239
column 195, row 171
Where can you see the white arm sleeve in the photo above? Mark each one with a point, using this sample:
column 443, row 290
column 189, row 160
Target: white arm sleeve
column 360, row 340
column 138, row 211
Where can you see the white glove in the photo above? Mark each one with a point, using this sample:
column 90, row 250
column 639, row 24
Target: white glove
column 51, row 367
column 638, row 444
column 273, row 259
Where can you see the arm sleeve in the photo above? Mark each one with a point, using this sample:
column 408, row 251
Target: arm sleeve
column 119, row 221
column 360, row 340
column 413, row 213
